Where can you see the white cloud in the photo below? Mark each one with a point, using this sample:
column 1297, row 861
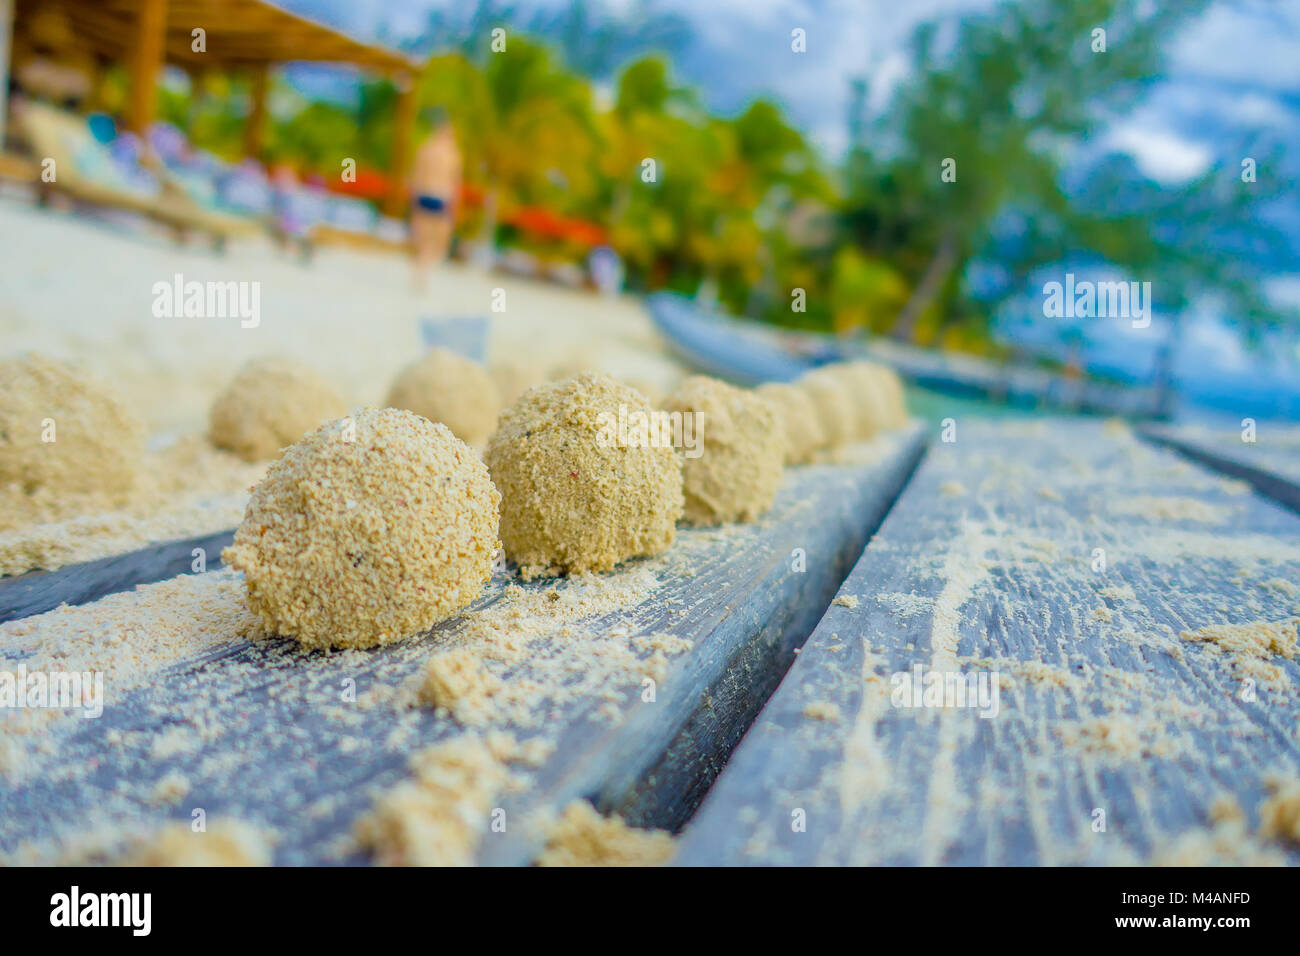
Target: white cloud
column 1254, row 43
column 1164, row 156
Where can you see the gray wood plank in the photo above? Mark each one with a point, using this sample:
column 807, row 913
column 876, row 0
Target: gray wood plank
column 1269, row 463
column 39, row 591
column 258, row 730
column 988, row 563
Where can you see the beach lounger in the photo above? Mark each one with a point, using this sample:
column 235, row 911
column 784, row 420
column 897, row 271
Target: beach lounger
column 86, row 173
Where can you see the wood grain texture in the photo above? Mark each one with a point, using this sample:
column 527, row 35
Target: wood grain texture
column 259, row 731
column 1270, row 463
column 39, row 591
column 988, row 563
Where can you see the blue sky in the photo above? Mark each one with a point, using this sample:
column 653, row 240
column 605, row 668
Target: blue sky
column 1238, row 62
column 1233, row 73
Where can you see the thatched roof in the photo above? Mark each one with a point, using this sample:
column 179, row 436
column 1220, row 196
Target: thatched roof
column 237, row 33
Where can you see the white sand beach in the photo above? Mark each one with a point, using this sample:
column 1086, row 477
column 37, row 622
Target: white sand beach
column 81, row 289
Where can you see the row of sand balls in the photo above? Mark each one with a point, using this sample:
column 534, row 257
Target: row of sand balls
column 376, row 527
column 64, row 432
column 272, row 402
column 836, row 405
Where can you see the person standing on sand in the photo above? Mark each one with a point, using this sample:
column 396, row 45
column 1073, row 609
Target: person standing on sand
column 435, row 188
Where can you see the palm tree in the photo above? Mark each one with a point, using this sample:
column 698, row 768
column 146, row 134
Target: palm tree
column 522, row 121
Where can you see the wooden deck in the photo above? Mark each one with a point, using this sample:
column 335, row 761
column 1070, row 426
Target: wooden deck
column 258, row 730
column 991, row 562
column 1077, row 563
column 1268, row 462
column 38, row 591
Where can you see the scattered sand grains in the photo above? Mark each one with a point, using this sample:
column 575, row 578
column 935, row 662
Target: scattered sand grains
column 456, row 681
column 1279, row 814
column 225, row 842
column 127, row 637
column 1249, row 647
column 1165, row 508
column 1282, row 586
column 439, row 817
column 582, row 837
column 170, row 789
column 1226, row 843
column 824, row 710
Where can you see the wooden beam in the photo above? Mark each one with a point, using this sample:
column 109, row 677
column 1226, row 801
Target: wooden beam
column 39, row 591
column 238, row 32
column 732, row 600
column 146, row 60
column 1269, row 464
column 1082, row 568
column 6, row 31
column 255, row 129
column 403, row 144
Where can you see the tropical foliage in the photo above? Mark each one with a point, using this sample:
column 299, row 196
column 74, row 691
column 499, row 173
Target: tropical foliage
column 742, row 210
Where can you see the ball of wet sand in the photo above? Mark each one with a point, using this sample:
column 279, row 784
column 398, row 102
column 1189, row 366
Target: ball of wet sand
column 738, row 469
column 369, row 530
column 64, row 432
column 798, row 415
column 579, row 491
column 446, row 387
column 270, row 404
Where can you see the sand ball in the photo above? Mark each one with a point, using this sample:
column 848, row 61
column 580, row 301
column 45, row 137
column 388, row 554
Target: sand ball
column 513, row 377
column 449, row 388
column 862, row 382
column 63, row 432
column 798, row 415
column 741, row 451
column 270, row 404
column 833, row 404
column 891, row 387
column 371, row 529
column 581, row 487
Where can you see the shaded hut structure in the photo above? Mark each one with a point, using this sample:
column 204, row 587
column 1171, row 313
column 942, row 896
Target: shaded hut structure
column 71, row 38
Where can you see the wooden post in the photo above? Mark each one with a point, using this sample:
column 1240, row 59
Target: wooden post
column 255, row 129
column 403, row 145
column 6, row 31
column 95, row 66
column 146, row 60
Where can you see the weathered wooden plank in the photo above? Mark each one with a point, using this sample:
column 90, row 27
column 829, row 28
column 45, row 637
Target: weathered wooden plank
column 260, row 730
column 1269, row 461
column 39, row 591
column 992, row 563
